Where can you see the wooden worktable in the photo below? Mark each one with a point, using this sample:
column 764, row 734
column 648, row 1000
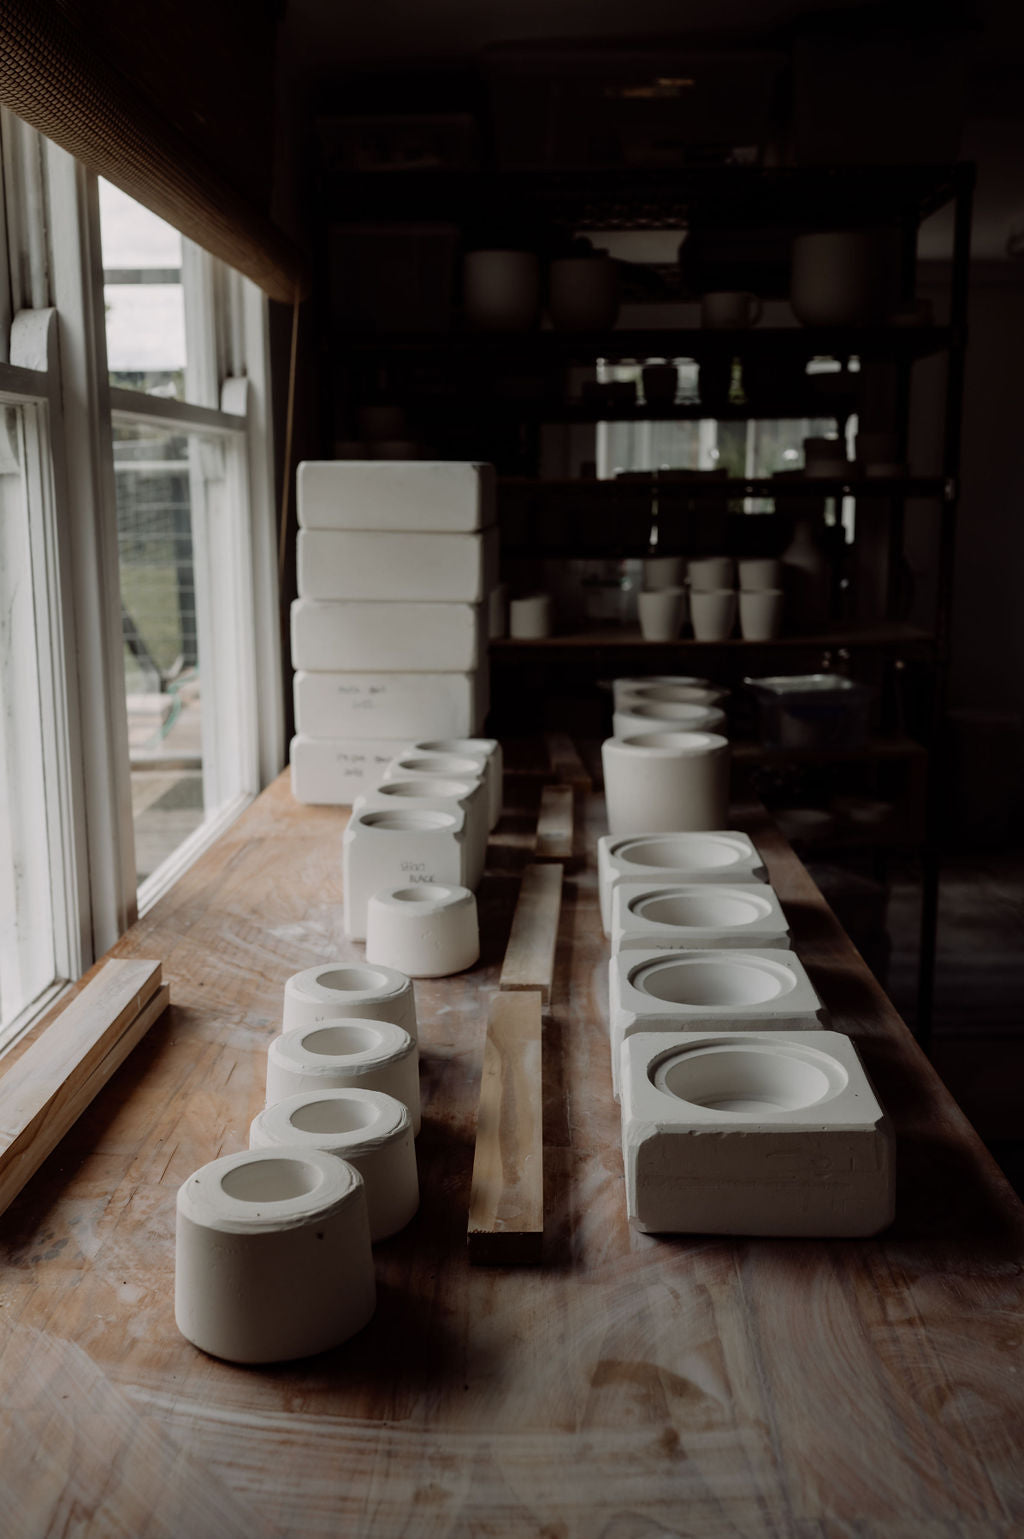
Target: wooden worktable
column 629, row 1388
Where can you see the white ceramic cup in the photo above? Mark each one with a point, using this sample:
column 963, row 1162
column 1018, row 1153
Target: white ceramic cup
column 760, row 572
column 713, row 613
column 712, row 572
column 664, row 572
column 728, row 309
column 664, row 782
column 501, row 290
column 761, row 613
column 529, row 618
column 661, row 613
column 428, row 930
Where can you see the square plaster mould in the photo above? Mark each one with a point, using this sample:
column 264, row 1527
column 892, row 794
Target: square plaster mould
column 719, row 856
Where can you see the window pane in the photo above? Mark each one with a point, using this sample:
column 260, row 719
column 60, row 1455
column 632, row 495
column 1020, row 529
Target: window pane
column 145, row 302
column 27, row 963
column 156, row 470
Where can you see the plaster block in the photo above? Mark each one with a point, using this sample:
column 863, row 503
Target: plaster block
column 388, row 849
column 333, row 772
column 465, row 794
column 442, row 496
column 758, row 1133
column 694, row 990
column 401, row 706
column 649, row 916
column 332, row 635
column 487, row 750
column 681, row 857
column 362, row 564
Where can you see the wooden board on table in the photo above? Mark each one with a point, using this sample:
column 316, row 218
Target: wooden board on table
column 50, row 1085
column 555, row 824
column 530, row 954
column 566, row 763
column 506, row 1203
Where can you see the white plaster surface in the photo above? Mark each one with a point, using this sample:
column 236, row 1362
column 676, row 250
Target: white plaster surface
column 272, row 1256
column 365, row 564
column 623, row 688
column 429, row 932
column 333, row 772
column 677, row 716
column 385, row 849
column 332, row 635
column 758, row 1133
column 341, row 990
column 348, row 1053
column 439, row 496
column 369, row 1130
column 693, row 990
column 468, row 792
column 668, row 780
column 399, row 706
column 716, row 855
column 435, row 795
column 487, row 750
column 650, row 916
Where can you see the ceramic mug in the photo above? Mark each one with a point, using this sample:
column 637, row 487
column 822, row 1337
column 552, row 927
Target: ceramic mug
column 664, row 572
column 729, row 310
column 529, row 618
column 760, row 614
column 713, row 613
column 661, row 613
column 709, row 572
column 758, row 573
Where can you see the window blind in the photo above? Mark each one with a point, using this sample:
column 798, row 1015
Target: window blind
column 55, row 76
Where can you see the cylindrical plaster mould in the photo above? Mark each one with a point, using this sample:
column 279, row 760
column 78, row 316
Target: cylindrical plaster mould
column 431, row 931
column 346, row 1054
column 273, row 1256
column 337, row 990
column 664, row 782
column 370, row 1130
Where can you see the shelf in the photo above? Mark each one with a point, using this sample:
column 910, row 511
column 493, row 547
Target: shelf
column 544, row 348
column 681, row 488
column 889, row 636
column 796, row 198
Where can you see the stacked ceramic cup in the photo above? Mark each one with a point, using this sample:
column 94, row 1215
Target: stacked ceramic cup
column 761, row 598
column 396, row 565
column 712, row 597
column 662, row 606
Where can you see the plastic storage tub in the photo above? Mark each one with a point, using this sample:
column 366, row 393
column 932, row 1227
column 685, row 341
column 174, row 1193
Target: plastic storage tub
column 812, row 710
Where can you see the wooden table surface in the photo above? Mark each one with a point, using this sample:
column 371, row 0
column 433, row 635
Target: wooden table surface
column 628, row 1388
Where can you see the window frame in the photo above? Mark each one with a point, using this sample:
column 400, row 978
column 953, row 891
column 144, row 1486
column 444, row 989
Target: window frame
column 52, row 331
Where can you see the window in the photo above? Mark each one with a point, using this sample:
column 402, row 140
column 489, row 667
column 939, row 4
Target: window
column 140, row 679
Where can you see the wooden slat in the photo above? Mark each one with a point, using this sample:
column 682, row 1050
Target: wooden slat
column 566, row 763
column 555, row 824
column 506, row 1204
column 49, row 1086
column 530, row 955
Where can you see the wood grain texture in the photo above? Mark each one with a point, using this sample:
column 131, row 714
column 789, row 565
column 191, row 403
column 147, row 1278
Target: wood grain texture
column 506, row 1197
column 530, row 954
column 555, row 824
column 46, row 1089
column 566, row 763
column 627, row 1388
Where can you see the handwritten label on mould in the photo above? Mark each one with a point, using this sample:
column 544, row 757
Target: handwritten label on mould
column 352, row 761
column 363, row 697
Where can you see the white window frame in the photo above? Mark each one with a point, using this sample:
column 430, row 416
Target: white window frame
column 53, row 364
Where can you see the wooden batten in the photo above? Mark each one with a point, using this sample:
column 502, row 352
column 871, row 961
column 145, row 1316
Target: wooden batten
column 555, row 824
column 52, row 1083
column 506, row 1204
column 530, row 954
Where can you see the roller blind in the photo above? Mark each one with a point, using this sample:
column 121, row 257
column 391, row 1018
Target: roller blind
column 62, row 72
